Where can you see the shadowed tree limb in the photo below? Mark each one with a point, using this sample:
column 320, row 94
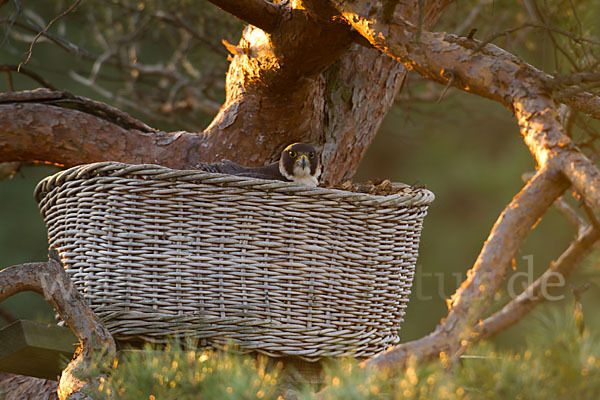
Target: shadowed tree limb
column 33, row 131
column 260, row 13
column 50, row 280
column 68, row 100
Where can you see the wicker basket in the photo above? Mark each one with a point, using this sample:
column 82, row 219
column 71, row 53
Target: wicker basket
column 279, row 268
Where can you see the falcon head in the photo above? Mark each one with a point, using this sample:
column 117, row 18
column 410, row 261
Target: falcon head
column 299, row 163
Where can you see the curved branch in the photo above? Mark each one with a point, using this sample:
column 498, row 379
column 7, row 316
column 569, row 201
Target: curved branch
column 538, row 291
column 50, row 280
column 476, row 293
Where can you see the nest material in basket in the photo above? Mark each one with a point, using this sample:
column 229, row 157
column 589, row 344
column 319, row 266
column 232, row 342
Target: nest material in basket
column 377, row 188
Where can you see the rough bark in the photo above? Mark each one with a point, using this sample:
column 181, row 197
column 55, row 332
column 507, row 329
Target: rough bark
column 50, row 280
column 49, row 133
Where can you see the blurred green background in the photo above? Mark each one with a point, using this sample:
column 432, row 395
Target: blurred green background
column 466, row 149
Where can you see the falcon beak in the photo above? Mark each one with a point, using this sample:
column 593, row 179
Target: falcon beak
column 303, row 161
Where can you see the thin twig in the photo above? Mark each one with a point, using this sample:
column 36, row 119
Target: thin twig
column 571, row 215
column 59, row 16
column 556, row 47
column 591, row 215
column 60, row 42
column 447, row 86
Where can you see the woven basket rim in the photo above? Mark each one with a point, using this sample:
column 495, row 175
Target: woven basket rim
column 409, row 197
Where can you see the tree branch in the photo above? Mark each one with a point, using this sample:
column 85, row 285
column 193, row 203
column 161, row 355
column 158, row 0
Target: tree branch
column 50, row 280
column 260, row 13
column 30, row 131
column 475, row 295
column 546, row 285
column 492, row 73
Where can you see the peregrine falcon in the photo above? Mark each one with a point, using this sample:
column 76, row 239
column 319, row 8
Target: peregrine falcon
column 299, row 163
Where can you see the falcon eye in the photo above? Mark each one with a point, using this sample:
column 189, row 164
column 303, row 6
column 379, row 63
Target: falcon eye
column 311, row 154
column 292, row 153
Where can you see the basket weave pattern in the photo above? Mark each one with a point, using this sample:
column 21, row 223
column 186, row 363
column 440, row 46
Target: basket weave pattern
column 280, row 268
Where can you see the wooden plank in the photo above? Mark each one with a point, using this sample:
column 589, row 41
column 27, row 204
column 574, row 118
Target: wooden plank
column 36, row 349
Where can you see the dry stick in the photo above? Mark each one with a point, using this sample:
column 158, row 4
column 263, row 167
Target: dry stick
column 587, row 103
column 545, row 286
column 50, row 280
column 571, row 36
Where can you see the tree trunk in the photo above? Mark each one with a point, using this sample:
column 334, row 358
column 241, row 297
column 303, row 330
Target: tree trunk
column 305, row 80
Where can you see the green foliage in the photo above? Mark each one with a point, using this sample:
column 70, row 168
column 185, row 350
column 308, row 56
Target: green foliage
column 558, row 363
column 182, row 373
